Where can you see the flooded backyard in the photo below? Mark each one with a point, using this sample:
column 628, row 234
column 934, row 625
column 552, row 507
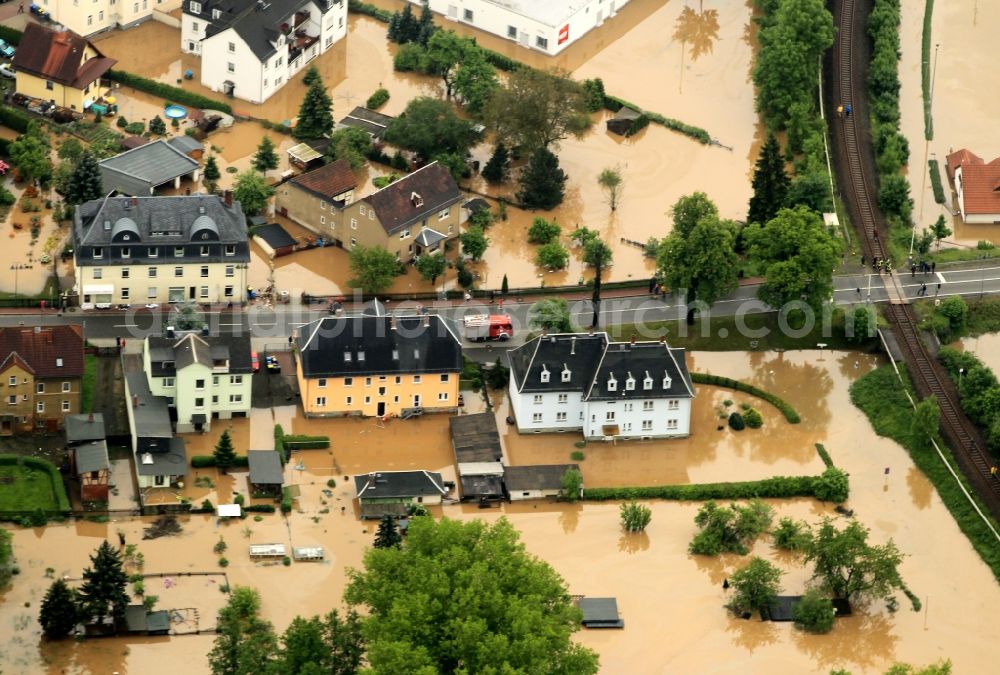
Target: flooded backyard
column 661, row 590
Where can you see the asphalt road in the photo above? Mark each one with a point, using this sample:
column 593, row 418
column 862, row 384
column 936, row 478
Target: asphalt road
column 273, row 326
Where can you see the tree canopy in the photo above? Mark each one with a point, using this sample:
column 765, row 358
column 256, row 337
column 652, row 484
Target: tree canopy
column 474, row 242
column 265, row 159
column 102, row 593
column 224, row 454
column 252, row 192
column 466, row 597
column 30, row 154
column 729, row 529
column 351, row 144
column 430, row 127
column 85, row 182
column 431, row 266
column 387, row 535
column 847, row 566
column 373, row 268
column 543, row 183
column 770, row 183
column 551, row 314
column 315, row 118
column 58, row 615
column 537, row 109
column 755, row 586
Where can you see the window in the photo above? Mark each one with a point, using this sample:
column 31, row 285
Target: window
column 215, row 380
column 159, row 480
column 236, row 398
column 98, row 273
column 444, row 377
column 609, row 416
column 354, row 242
column 544, row 374
column 178, row 271
column 321, row 401
column 178, row 251
column 647, row 425
column 398, row 378
column 512, row 32
column 381, row 391
column 66, row 387
column 168, row 382
column 350, row 400
column 135, row 8
column 368, row 399
column 672, row 424
column 194, row 26
column 566, row 375
column 347, row 357
column 203, row 292
column 199, row 384
column 673, row 404
column 536, row 418
column 563, row 398
column 40, row 388
column 151, row 293
column 199, row 403
column 647, row 405
column 348, row 381
column 630, row 384
column 322, row 220
column 321, row 383
column 537, row 399
column 541, row 43
column 152, row 252
column 125, row 293
column 98, row 252
column 204, row 271
column 612, row 384
column 203, row 251
column 469, row 15
column 560, row 417
column 90, row 22
column 416, row 379
column 126, row 252
column 12, row 381
column 354, row 224
column 125, row 272
column 666, row 382
column 405, row 234
column 40, row 407
column 628, row 407
column 265, row 79
column 228, row 291
column 151, row 272
column 231, row 67
column 196, row 8
column 368, row 380
column 235, row 379
column 362, row 209
column 215, row 400
column 230, row 249
column 65, row 406
column 443, row 396
column 443, row 213
column 232, row 47
column 12, row 400
column 230, row 271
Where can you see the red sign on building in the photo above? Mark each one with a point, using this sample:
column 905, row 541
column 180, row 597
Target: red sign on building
column 564, row 34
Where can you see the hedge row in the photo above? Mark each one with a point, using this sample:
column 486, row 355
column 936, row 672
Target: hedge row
column 279, row 442
column 383, row 15
column 936, row 185
column 776, row 487
column 169, row 92
column 58, row 489
column 208, row 461
column 286, row 499
column 718, row 381
column 824, row 455
column 303, row 442
column 260, row 508
column 614, row 104
column 15, row 119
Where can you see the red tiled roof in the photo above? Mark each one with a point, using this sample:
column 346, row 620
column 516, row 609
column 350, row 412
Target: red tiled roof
column 980, row 193
column 960, row 158
column 330, row 180
column 58, row 56
column 41, row 348
column 414, row 197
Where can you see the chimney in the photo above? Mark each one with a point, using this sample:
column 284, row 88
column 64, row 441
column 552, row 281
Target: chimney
column 427, row 320
column 135, row 400
column 572, row 345
column 392, row 323
column 632, row 339
column 135, row 202
column 90, row 417
column 663, row 339
column 227, row 197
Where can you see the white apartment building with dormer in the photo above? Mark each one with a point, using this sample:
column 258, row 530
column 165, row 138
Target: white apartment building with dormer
column 603, row 389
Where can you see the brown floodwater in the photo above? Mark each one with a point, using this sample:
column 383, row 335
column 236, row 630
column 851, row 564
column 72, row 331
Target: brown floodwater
column 18, row 247
column 986, row 347
column 965, row 98
column 661, row 590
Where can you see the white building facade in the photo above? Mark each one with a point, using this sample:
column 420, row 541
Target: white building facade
column 249, row 49
column 86, row 17
column 602, row 389
column 548, row 26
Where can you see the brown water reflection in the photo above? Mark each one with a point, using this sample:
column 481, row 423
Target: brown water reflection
column 697, row 30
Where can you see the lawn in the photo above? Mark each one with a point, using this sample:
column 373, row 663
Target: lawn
column 29, row 484
column 883, row 400
column 89, row 380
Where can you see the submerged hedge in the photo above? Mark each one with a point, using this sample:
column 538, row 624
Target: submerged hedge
column 787, row 410
column 167, row 91
column 208, row 461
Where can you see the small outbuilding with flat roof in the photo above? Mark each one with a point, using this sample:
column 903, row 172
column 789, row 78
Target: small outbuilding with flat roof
column 535, row 482
column 600, row 613
column 84, row 428
column 266, row 472
column 375, row 123
column 274, row 240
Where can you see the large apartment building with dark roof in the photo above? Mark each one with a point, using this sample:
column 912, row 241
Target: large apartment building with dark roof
column 140, row 250
column 606, row 390
column 250, row 49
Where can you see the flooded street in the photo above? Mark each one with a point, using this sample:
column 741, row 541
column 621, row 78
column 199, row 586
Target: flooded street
column 660, row 589
column 965, row 98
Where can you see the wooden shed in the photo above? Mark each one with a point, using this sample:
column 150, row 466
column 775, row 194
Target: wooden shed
column 623, row 120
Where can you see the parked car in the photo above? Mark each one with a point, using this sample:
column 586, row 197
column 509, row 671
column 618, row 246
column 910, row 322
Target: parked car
column 254, row 362
column 7, row 71
column 6, row 49
column 272, row 364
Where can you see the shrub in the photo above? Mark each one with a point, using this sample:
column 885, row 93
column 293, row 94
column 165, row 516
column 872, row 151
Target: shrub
column 410, row 57
column 167, row 91
column 286, row 500
column 832, row 486
column 304, row 442
column 206, row 506
column 729, row 529
column 7, row 197
column 787, row 410
column 552, row 256
column 753, row 419
column 331, row 483
column 378, row 99
column 791, row 535
column 776, row 487
column 814, row 612
column 121, row 122
column 223, row 561
column 286, row 561
column 824, row 455
column 134, row 127
column 208, row 461
column 14, row 119
column 542, row 231
column 736, row 422
column 577, row 456
column 259, row 508
column 635, row 516
column 936, row 185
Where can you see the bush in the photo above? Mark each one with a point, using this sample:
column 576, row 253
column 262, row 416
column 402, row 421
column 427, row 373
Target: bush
column 731, row 529
column 552, row 256
column 814, row 612
column 167, row 91
column 121, row 122
column 577, row 456
column 14, row 119
column 11, row 35
column 753, row 419
column 736, row 422
column 543, row 231
column 208, row 461
column 303, row 442
column 410, row 57
column 936, row 185
column 286, row 500
column 331, row 483
column 775, row 487
column 791, row 535
column 824, row 455
column 370, row 10
column 7, row 197
column 634, row 516
column 259, row 508
column 717, row 381
column 378, row 99
column 832, row 486
column 223, row 561
column 135, row 128
column 206, row 506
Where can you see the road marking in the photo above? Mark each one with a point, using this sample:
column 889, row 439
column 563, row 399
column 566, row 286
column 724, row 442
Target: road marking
column 940, row 278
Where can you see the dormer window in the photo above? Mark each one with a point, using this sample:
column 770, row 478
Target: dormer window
column 98, row 252
column 107, row 225
column 630, row 383
column 216, row 13
column 361, row 356
column 566, row 374
column 647, row 382
column 416, row 199
column 126, row 252
column 545, row 374
column 416, row 353
column 395, row 355
column 612, row 384
column 347, row 357
column 666, row 381
column 196, row 8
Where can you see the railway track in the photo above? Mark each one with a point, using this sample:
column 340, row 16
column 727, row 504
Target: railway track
column 929, row 378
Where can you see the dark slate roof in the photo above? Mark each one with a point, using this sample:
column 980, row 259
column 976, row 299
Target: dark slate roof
column 173, row 462
column 600, row 613
column 622, row 359
column 158, row 621
column 92, row 456
column 396, row 484
column 274, row 235
column 397, row 204
column 476, row 205
column 87, row 427
column 329, row 180
column 160, row 221
column 136, row 171
column 185, row 144
column 42, row 349
column 579, row 352
column 782, row 608
column 265, row 467
column 258, row 23
column 58, row 56
column 191, row 348
column 378, row 345
column 151, row 417
column 375, row 123
column 474, row 487
column 135, row 618
column 475, row 438
column 540, row 477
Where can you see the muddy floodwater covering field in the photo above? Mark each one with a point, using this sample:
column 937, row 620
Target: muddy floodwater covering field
column 671, row 602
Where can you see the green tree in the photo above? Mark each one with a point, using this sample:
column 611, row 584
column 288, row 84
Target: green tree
column 894, row 197
column 926, row 422
column 373, row 268
column 102, row 594
column 955, row 309
column 814, row 612
column 755, row 586
column 792, row 535
column 939, row 668
column 798, row 255
column 729, row 529
column 847, row 566
column 543, row 183
column 30, row 154
column 595, row 94
column 940, row 229
column 157, row 126
column 704, row 262
column 504, row 286
column 811, row 190
column 85, row 182
column 387, row 535
column 252, row 192
column 537, row 109
column 497, row 169
column 315, row 118
column 497, row 376
column 312, row 74
column 610, row 180
column 431, row 266
column 212, row 174
column 425, row 25
column 6, row 556
column 351, row 144
column 552, row 256
column 71, row 150
column 475, row 81
column 58, row 615
column 635, row 516
column 327, row 645
column 572, row 483
column 865, row 324
column 224, row 454
column 482, row 218
column 690, row 210
column 244, row 643
column 446, row 51
column 543, row 231
column 265, row 159
column 922, row 243
column 404, row 27
column 551, row 314
column 474, row 242
column 415, row 625
column 770, row 183
column 430, row 127
column 831, row 486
